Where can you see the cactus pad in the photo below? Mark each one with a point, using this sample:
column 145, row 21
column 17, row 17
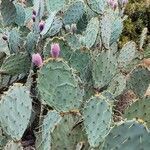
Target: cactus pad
column 8, row 11
column 68, row 133
column 106, row 28
column 127, row 54
column 143, row 38
column 73, row 41
column 80, row 61
column 117, row 27
column 55, row 6
column 48, row 23
column 14, row 40
column 117, row 85
column 97, row 6
column 31, row 41
column 128, row 135
column 15, row 111
column 44, row 135
column 74, row 13
column 97, row 115
column 21, row 15
column 111, row 28
column 55, row 27
column 16, row 64
column 91, row 32
column 139, row 80
column 59, row 86
column 139, row 109
column 104, row 68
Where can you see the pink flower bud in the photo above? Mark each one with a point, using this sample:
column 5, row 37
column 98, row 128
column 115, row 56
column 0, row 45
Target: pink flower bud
column 34, row 12
column 41, row 25
column 33, row 18
column 37, row 60
column 55, row 50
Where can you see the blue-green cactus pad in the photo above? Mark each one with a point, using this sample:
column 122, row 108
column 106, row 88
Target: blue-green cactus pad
column 90, row 35
column 59, row 86
column 97, row 115
column 139, row 109
column 16, row 64
column 68, row 133
column 104, row 68
column 43, row 137
column 139, row 80
column 73, row 13
column 128, row 135
column 15, row 111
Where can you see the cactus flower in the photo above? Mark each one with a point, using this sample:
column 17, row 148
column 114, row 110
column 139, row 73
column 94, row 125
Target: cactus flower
column 41, row 25
column 37, row 60
column 55, row 50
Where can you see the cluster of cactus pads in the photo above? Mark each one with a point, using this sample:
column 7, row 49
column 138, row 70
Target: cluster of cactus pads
column 62, row 71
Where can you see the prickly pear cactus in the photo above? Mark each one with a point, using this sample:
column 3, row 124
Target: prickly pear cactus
column 63, row 91
column 143, row 38
column 65, row 53
column 70, row 128
column 80, row 60
column 127, row 54
column 105, row 26
column 97, row 6
column 117, row 84
column 48, row 24
column 8, row 11
column 14, row 40
column 73, row 41
column 55, row 27
column 66, row 79
column 16, row 64
column 55, row 6
column 15, row 111
column 21, row 15
column 128, row 135
column 31, row 42
column 97, row 113
column 111, row 26
column 140, row 110
column 48, row 125
column 139, row 80
column 104, row 68
column 74, row 12
column 91, row 32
